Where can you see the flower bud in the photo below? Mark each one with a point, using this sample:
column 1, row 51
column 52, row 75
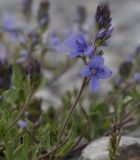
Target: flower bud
column 26, row 7
column 43, row 15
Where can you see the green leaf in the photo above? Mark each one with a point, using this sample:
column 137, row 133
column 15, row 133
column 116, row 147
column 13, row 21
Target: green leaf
column 9, row 152
column 21, row 153
column 65, row 148
column 127, row 99
column 4, row 122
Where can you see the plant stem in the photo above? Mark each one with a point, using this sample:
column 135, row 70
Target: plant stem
column 73, row 107
column 76, row 143
column 55, row 149
column 22, row 111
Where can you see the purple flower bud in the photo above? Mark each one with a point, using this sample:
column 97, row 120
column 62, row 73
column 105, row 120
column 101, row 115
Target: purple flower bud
column 103, row 24
column 26, row 7
column 102, row 16
column 101, row 34
column 34, row 38
column 43, row 15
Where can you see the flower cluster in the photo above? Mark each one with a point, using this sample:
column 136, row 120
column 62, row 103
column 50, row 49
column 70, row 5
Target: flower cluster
column 94, row 68
column 103, row 25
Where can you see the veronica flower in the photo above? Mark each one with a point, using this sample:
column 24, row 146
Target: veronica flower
column 79, row 46
column 22, row 124
column 95, row 70
column 137, row 77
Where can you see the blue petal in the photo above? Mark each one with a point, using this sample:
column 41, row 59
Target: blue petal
column 85, row 72
column 104, row 73
column 71, row 42
column 80, row 38
column 137, row 77
column 74, row 53
column 97, row 62
column 89, row 51
column 94, row 84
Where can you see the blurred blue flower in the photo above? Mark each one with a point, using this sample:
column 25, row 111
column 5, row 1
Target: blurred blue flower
column 137, row 77
column 95, row 70
column 54, row 42
column 79, row 46
column 8, row 22
column 22, row 124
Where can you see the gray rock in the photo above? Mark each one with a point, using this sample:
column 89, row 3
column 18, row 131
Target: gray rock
column 129, row 149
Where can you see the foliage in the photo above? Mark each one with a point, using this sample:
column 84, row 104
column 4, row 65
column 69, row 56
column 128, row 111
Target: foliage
column 60, row 132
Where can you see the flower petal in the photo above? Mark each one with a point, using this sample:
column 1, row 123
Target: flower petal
column 21, row 123
column 89, row 51
column 104, row 73
column 97, row 62
column 94, row 84
column 137, row 77
column 71, row 42
column 85, row 72
column 80, row 38
column 74, row 54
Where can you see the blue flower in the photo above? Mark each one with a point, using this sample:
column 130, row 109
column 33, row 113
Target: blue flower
column 22, row 124
column 95, row 70
column 137, row 77
column 79, row 46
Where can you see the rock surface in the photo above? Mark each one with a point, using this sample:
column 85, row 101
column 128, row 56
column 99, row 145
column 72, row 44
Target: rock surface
column 98, row 150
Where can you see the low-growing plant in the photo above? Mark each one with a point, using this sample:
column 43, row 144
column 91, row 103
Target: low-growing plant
column 27, row 131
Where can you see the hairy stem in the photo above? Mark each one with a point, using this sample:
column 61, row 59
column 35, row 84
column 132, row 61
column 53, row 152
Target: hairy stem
column 53, row 150
column 73, row 107
column 76, row 143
